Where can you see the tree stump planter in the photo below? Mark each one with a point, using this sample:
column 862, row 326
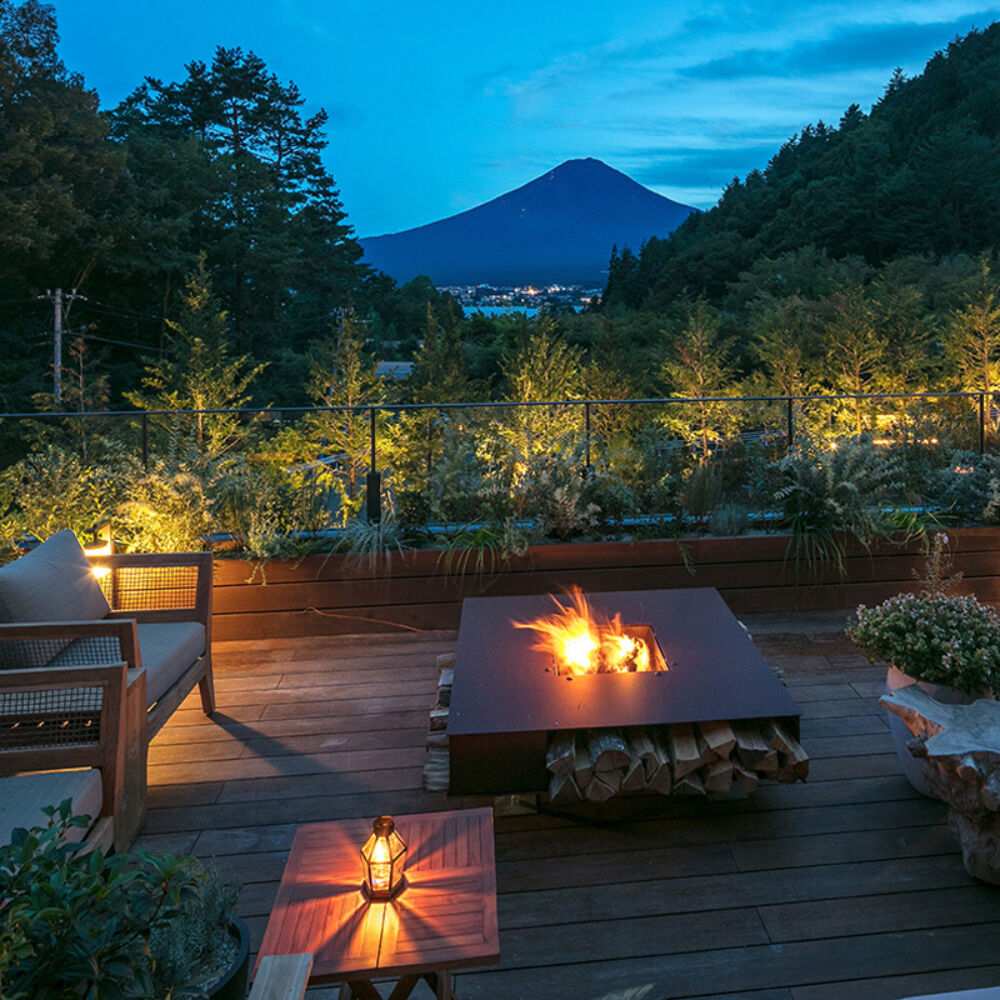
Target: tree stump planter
column 913, row 768
column 960, row 749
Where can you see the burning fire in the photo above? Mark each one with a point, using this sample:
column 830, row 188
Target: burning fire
column 581, row 642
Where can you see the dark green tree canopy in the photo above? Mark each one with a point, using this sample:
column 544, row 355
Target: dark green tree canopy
column 266, row 207
column 58, row 176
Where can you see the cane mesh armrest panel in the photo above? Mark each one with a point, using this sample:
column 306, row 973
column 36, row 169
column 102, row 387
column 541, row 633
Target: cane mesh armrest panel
column 151, row 588
column 23, row 796
column 50, row 718
column 19, row 654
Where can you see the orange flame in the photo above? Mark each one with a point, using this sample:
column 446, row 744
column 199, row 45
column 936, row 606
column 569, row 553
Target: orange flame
column 583, row 643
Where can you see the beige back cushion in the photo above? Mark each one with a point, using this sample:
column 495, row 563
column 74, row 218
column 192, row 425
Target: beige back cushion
column 52, row 583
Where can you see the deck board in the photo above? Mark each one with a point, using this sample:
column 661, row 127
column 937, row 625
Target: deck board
column 849, row 886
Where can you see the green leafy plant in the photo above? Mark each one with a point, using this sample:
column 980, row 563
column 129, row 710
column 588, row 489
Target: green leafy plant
column 553, row 491
column 611, row 495
column 944, row 639
column 729, row 519
column 484, row 550
column 937, row 635
column 562, row 508
column 114, row 927
column 965, row 485
column 368, row 544
column 831, row 496
column 53, row 489
column 168, row 510
column 456, row 486
column 702, row 488
column 939, row 579
column 269, row 511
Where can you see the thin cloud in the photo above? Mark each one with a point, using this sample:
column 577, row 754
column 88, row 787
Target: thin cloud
column 699, row 168
column 870, row 46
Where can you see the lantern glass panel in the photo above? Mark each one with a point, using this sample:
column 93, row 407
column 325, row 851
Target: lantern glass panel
column 383, row 860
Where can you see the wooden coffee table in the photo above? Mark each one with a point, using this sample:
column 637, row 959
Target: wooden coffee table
column 445, row 918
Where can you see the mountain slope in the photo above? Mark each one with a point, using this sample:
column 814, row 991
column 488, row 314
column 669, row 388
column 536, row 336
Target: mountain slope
column 919, row 174
column 559, row 227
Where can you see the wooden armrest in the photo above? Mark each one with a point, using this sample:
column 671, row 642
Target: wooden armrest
column 122, row 629
column 42, row 678
column 282, row 977
column 203, row 560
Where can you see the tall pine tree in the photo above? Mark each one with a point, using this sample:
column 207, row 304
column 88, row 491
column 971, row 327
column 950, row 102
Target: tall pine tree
column 283, row 255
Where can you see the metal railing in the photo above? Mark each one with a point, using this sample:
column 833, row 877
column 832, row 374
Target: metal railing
column 586, row 407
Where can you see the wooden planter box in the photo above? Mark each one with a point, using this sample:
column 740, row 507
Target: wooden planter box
column 326, row 596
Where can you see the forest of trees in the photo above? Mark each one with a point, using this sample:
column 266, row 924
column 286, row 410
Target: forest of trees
column 215, row 267
column 861, row 259
column 122, row 203
column 918, row 175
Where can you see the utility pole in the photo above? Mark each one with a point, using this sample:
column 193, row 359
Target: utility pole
column 57, row 332
column 57, row 346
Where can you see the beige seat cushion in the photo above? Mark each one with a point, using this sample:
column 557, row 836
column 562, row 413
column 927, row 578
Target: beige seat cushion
column 168, row 649
column 23, row 796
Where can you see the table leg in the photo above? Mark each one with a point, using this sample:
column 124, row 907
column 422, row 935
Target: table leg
column 440, row 983
column 444, row 985
column 404, row 987
column 361, row 989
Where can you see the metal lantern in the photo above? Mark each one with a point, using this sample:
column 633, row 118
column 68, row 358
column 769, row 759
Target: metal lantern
column 383, row 860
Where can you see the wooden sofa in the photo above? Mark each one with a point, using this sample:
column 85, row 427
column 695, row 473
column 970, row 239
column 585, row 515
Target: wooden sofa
column 60, row 610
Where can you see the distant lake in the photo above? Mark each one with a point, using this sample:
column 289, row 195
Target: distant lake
column 503, row 310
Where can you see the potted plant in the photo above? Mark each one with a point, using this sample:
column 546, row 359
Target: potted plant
column 115, row 927
column 947, row 643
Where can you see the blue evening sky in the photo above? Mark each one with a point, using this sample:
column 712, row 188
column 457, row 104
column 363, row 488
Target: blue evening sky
column 437, row 106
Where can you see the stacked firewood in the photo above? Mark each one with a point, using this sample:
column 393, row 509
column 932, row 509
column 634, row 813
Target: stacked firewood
column 684, row 759
column 436, row 768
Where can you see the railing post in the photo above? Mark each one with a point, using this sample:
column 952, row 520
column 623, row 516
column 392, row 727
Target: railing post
column 373, row 481
column 586, row 430
column 982, row 423
column 145, row 441
column 791, row 424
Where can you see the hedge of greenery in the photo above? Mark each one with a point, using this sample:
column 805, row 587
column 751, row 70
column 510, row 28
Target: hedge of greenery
column 501, row 478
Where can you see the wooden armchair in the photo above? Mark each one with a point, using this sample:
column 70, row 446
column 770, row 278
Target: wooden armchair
column 152, row 612
column 157, row 589
column 53, row 718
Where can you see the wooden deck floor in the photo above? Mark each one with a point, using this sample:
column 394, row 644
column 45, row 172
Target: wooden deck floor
column 847, row 888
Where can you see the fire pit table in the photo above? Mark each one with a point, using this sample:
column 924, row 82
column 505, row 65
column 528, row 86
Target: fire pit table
column 716, row 714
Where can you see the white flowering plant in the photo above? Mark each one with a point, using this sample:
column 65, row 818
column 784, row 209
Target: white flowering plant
column 935, row 637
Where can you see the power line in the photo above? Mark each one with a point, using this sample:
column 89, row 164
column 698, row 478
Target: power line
column 121, row 343
column 123, row 311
